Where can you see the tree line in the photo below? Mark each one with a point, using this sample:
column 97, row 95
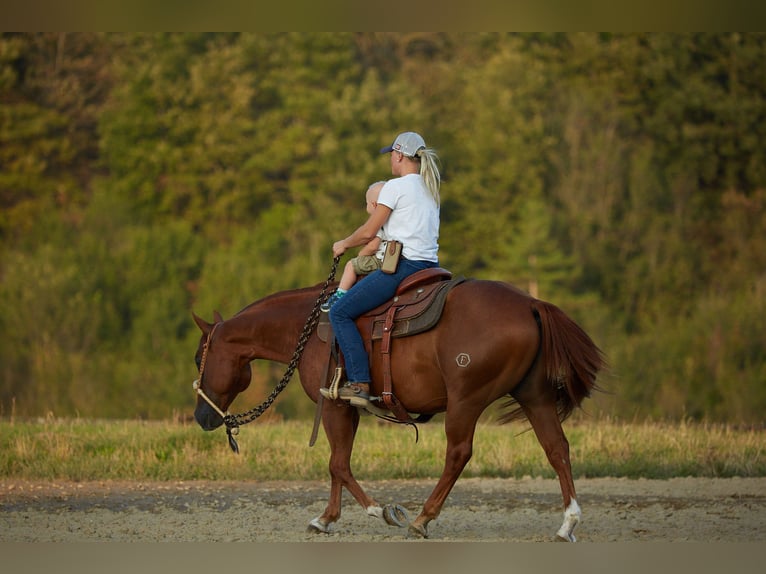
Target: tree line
column 143, row 176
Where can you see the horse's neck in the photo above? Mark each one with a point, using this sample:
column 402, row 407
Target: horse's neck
column 272, row 326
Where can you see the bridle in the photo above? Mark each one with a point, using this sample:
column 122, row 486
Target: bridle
column 233, row 422
column 197, row 384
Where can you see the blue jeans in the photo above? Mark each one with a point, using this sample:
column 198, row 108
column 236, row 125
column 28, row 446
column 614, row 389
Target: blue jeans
column 366, row 294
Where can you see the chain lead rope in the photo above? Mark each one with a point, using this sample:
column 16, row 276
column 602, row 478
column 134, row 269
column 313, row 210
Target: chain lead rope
column 233, row 422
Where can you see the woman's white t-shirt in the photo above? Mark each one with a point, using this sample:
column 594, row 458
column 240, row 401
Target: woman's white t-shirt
column 414, row 218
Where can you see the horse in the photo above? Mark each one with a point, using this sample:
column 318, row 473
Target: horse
column 493, row 341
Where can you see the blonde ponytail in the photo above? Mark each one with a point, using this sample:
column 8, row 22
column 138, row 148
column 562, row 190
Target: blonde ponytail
column 429, row 170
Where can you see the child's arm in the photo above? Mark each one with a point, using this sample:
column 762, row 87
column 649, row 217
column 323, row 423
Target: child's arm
column 371, row 247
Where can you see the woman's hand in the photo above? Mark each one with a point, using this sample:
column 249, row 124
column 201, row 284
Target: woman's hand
column 339, row 248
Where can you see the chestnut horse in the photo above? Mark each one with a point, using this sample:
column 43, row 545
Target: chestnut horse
column 492, row 341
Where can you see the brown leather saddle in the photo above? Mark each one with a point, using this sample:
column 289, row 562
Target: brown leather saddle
column 416, row 307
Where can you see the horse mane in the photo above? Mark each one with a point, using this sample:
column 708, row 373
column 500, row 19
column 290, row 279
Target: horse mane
column 298, row 293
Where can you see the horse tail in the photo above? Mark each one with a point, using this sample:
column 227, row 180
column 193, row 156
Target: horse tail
column 570, row 357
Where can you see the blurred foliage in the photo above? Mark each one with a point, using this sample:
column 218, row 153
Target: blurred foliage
column 143, row 176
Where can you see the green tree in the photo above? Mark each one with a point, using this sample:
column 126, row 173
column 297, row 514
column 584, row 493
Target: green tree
column 619, row 176
column 52, row 87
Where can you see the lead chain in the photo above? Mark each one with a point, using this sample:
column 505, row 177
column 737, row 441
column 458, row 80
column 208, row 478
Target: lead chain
column 234, row 421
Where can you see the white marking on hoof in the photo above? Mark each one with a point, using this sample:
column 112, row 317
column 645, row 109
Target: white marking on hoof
column 317, row 525
column 375, row 511
column 572, row 517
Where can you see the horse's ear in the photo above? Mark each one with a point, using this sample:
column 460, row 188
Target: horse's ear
column 202, row 324
column 217, row 317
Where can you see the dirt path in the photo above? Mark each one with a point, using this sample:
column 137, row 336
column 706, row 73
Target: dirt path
column 527, row 510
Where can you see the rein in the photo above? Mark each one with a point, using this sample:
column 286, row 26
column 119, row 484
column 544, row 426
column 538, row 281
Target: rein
column 233, row 422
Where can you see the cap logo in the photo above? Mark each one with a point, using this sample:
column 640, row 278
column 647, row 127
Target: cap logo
column 397, row 146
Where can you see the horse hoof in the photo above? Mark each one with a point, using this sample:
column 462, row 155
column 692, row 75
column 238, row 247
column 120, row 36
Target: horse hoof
column 395, row 515
column 317, row 527
column 418, row 531
column 565, row 537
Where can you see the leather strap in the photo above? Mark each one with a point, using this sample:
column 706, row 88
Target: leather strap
column 391, row 402
column 320, row 400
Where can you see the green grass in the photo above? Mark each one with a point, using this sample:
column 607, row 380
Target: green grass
column 81, row 450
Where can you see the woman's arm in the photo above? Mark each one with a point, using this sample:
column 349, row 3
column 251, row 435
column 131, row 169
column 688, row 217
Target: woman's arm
column 365, row 233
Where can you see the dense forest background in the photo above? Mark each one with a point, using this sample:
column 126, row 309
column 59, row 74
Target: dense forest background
column 143, row 176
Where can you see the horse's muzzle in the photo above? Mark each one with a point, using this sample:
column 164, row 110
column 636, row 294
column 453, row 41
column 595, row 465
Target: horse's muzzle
column 206, row 417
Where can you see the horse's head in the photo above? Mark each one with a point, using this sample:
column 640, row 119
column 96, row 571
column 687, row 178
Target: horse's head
column 224, row 372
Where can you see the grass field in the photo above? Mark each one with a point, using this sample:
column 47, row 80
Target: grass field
column 81, row 450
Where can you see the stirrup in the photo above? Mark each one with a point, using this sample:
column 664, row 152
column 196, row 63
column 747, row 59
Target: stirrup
column 331, row 392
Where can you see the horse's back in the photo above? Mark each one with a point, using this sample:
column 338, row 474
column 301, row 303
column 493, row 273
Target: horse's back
column 492, row 305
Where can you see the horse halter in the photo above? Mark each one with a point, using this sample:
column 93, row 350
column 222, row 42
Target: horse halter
column 197, row 384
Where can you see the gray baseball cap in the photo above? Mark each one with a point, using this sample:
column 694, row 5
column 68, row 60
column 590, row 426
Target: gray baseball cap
column 407, row 143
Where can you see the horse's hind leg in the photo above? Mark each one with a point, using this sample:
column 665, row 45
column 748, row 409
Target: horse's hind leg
column 460, row 426
column 547, row 426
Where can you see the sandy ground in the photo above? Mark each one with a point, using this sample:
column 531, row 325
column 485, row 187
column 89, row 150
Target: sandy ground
column 494, row 510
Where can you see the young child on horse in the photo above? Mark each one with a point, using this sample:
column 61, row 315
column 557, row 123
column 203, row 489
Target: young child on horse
column 369, row 258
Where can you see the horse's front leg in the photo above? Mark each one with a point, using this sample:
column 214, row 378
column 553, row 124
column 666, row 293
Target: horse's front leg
column 341, row 423
column 324, row 523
